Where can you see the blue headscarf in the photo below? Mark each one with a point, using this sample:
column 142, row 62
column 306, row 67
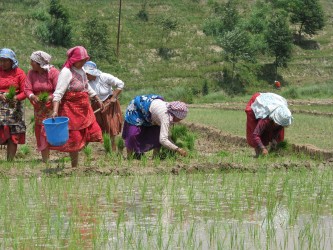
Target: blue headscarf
column 8, row 53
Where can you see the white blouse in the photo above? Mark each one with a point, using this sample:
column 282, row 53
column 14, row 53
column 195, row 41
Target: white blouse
column 161, row 117
column 103, row 84
column 65, row 76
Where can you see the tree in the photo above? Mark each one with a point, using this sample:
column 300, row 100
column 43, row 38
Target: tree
column 55, row 29
column 59, row 26
column 226, row 18
column 279, row 39
column 96, row 39
column 308, row 15
column 236, row 47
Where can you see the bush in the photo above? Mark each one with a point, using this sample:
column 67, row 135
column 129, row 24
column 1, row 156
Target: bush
column 55, row 29
column 96, row 40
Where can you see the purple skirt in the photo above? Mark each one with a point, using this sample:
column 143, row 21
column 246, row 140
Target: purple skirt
column 140, row 139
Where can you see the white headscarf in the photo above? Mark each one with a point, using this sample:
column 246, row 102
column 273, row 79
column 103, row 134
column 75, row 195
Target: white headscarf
column 42, row 58
column 282, row 116
column 273, row 106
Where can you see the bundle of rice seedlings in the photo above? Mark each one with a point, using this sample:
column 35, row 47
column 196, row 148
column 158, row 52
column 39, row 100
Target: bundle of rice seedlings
column 107, row 143
column 182, row 137
column 11, row 93
column 43, row 96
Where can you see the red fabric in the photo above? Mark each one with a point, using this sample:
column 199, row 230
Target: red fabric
column 265, row 132
column 74, row 55
column 15, row 77
column 40, row 137
column 82, row 125
column 76, row 106
column 5, row 135
column 37, row 83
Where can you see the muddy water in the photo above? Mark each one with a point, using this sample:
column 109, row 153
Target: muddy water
column 276, row 210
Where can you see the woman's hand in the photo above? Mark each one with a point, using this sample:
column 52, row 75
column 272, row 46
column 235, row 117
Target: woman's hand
column 113, row 99
column 3, row 97
column 264, row 151
column 33, row 99
column 54, row 114
column 181, row 151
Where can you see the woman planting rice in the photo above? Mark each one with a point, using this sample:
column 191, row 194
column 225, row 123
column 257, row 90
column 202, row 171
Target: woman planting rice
column 110, row 119
column 147, row 122
column 12, row 125
column 39, row 86
column 267, row 116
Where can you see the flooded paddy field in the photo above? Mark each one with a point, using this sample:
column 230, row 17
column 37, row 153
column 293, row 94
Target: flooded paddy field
column 220, row 197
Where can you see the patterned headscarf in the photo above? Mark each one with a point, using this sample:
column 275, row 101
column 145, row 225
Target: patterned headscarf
column 42, row 58
column 282, row 116
column 8, row 53
column 178, row 109
column 76, row 54
column 91, row 68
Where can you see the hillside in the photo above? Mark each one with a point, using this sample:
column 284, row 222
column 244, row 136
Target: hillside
column 195, row 59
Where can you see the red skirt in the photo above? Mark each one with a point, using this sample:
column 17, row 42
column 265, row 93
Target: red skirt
column 5, row 135
column 82, row 124
column 251, row 123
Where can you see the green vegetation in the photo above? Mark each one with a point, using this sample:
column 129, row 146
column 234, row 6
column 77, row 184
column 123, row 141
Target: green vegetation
column 11, row 93
column 163, row 46
column 43, row 97
column 233, row 210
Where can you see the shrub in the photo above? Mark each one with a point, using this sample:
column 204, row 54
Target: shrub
column 96, row 40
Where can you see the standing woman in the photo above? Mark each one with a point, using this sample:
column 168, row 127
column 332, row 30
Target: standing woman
column 41, row 79
column 71, row 99
column 147, row 122
column 267, row 116
column 12, row 125
column 110, row 118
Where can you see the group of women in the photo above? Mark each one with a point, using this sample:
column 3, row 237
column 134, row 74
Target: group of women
column 81, row 92
column 89, row 98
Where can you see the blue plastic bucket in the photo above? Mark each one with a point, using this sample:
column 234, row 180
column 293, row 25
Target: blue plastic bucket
column 56, row 130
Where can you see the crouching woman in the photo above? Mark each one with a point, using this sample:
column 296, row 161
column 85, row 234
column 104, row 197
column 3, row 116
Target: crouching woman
column 147, row 122
column 267, row 116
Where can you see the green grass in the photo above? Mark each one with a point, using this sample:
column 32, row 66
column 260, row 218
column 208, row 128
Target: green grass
column 306, row 129
column 195, row 59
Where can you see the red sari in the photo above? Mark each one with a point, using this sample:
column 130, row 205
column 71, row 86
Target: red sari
column 83, row 126
column 12, row 125
column 251, row 124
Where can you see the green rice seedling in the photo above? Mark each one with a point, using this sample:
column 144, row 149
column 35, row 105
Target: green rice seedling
column 120, row 144
column 88, row 152
column 25, row 150
column 32, row 123
column 107, row 143
column 11, row 93
column 182, row 137
column 43, row 96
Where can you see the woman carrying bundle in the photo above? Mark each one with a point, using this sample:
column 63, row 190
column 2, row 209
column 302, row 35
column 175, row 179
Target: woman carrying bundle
column 12, row 125
column 39, row 87
column 267, row 116
column 147, row 122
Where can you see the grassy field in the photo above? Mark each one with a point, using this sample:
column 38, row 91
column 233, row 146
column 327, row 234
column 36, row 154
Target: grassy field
column 306, row 129
column 196, row 57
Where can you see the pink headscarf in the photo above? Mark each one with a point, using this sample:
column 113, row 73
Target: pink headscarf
column 178, row 109
column 76, row 54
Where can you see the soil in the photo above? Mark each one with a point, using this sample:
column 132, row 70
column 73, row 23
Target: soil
column 210, row 141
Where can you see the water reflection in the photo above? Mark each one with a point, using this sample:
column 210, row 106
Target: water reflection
column 215, row 211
